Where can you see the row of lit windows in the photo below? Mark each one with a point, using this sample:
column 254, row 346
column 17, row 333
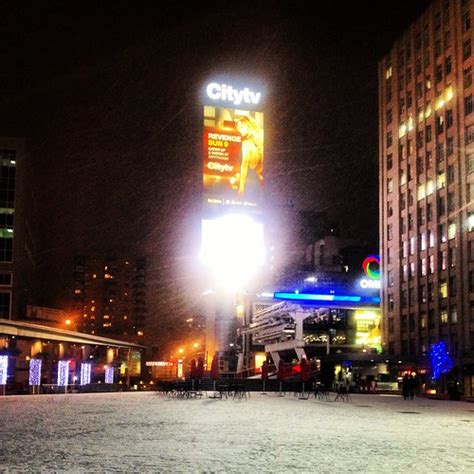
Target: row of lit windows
column 424, row 242
column 442, row 151
column 425, row 320
column 408, row 271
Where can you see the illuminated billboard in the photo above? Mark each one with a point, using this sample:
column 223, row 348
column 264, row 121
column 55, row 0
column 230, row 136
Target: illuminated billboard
column 233, row 156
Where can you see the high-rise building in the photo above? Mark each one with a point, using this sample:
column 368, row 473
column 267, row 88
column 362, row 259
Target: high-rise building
column 10, row 149
column 426, row 124
column 109, row 297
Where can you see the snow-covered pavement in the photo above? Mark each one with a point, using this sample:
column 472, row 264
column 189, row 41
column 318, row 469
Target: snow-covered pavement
column 145, row 432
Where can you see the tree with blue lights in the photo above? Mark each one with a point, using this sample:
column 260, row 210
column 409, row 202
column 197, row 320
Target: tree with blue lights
column 441, row 362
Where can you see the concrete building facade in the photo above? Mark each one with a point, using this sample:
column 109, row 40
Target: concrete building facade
column 426, row 157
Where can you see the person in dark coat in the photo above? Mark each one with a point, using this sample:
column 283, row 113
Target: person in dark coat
column 406, row 386
column 411, row 386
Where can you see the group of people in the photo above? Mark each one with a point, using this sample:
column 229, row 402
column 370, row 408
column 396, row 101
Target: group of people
column 408, row 386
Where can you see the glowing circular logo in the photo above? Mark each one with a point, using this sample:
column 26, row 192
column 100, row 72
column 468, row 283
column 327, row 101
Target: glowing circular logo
column 368, row 265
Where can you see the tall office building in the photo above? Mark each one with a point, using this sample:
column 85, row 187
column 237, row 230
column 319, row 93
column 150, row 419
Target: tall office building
column 426, row 123
column 109, row 297
column 10, row 149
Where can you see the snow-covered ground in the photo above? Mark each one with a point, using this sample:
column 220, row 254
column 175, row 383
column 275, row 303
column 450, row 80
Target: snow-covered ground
column 145, row 432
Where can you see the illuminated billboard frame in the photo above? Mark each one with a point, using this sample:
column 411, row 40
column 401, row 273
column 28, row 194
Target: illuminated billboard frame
column 233, row 146
column 233, row 157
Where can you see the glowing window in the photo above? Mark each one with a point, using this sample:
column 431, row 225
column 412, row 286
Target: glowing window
column 429, row 187
column 441, row 180
column 443, row 290
column 451, row 231
column 421, row 192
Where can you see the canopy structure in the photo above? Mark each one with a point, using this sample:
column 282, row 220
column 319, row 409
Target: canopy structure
column 35, row 331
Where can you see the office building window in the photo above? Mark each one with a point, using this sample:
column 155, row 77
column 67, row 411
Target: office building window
column 423, row 266
column 5, row 298
column 469, row 135
column 452, row 286
column 431, row 241
column 431, row 292
column 470, row 191
column 467, row 77
column 428, row 133
column 389, row 185
column 441, row 206
column 404, row 302
column 404, row 272
column 466, row 49
column 451, row 230
column 447, row 66
column 471, row 250
column 390, row 326
column 470, row 163
column 443, row 289
column 449, row 146
column 439, row 73
column 449, row 118
column 420, row 165
column 452, row 256
column 451, row 202
column 468, row 104
column 420, row 216
column 466, row 21
column 423, row 320
column 389, row 161
column 390, row 302
column 454, row 314
column 429, row 212
column 431, row 264
column 444, row 316
column 450, row 172
column 422, row 294
column 439, row 152
column 443, row 259
column 422, row 241
column 443, row 233
column 5, row 279
column 431, row 319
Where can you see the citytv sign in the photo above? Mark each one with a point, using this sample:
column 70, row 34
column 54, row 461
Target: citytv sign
column 371, row 267
column 226, row 93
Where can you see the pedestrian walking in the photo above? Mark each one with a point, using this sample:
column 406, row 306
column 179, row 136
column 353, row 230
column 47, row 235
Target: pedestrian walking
column 406, row 386
column 340, row 386
column 411, row 386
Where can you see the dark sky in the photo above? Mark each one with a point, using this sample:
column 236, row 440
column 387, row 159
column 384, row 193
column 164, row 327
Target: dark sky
column 107, row 97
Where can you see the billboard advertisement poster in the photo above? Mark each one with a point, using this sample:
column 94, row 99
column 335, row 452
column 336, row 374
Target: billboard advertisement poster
column 233, row 158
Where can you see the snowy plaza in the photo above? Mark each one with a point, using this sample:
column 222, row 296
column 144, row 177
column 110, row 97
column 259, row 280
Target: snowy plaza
column 147, row 432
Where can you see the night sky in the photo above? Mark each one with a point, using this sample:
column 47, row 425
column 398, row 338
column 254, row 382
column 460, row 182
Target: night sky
column 108, row 100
